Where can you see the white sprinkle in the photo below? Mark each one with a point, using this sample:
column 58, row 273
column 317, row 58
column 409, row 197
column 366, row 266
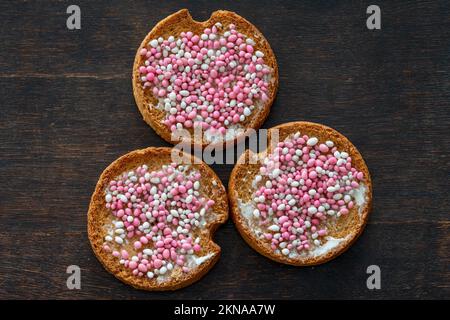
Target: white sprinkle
column 276, row 172
column 163, row 270
column 259, row 54
column 184, row 93
column 312, row 141
column 274, row 227
column 285, row 251
column 337, row 196
column 329, row 144
column 256, row 213
column 172, row 96
column 108, row 197
column 154, row 43
column 196, row 185
column 122, row 198
column 108, row 238
column 118, row 239
column 312, row 210
column 154, row 180
column 189, row 199
column 150, row 274
column 119, row 231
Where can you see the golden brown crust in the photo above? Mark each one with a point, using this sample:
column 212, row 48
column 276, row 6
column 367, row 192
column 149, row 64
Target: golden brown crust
column 182, row 21
column 240, row 189
column 98, row 215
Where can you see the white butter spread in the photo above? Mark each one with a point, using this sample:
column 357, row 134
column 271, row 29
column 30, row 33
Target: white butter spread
column 246, row 210
column 327, row 246
column 360, row 196
column 192, row 262
column 199, row 260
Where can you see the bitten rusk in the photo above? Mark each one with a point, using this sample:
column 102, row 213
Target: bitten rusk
column 98, row 216
column 173, row 25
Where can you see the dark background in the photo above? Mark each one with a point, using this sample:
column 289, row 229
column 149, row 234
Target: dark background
column 67, row 111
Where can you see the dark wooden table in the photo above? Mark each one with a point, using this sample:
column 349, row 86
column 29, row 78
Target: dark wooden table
column 67, row 111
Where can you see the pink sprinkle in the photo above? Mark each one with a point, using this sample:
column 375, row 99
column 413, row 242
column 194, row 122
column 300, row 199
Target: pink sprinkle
column 323, row 148
column 137, row 245
column 157, row 263
column 143, row 240
column 166, row 254
column 125, row 254
column 142, row 267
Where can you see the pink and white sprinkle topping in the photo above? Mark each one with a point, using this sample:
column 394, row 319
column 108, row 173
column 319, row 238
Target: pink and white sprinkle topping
column 154, row 216
column 302, row 186
column 213, row 81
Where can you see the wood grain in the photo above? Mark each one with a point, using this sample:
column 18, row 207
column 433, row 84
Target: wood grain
column 67, row 111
